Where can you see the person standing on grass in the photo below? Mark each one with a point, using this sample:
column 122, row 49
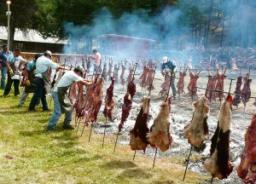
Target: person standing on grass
column 62, row 103
column 28, row 77
column 14, row 73
column 44, row 64
column 5, row 57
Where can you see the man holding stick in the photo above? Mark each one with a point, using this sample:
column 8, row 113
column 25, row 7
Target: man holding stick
column 62, row 104
column 44, row 64
column 169, row 67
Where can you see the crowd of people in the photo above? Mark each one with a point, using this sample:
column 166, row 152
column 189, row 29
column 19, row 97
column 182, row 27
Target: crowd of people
column 36, row 77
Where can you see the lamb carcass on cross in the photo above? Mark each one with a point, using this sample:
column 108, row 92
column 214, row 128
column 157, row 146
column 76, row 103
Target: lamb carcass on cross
column 197, row 130
column 247, row 168
column 138, row 135
column 219, row 164
column 109, row 101
column 159, row 135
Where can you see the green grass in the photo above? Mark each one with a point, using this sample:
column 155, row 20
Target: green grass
column 29, row 154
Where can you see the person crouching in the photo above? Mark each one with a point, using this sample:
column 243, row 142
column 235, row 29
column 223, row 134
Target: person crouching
column 62, row 103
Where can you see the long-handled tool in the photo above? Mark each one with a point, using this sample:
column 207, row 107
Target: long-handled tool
column 117, row 135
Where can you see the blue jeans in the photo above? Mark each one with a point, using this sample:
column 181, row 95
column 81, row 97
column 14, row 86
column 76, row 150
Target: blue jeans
column 57, row 113
column 3, row 76
column 173, row 87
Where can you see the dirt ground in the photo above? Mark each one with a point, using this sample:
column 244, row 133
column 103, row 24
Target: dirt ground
column 181, row 112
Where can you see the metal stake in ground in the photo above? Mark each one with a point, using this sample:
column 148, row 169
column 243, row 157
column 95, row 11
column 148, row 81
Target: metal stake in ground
column 104, row 132
column 90, row 134
column 117, row 135
column 154, row 161
column 187, row 160
column 83, row 129
column 118, row 132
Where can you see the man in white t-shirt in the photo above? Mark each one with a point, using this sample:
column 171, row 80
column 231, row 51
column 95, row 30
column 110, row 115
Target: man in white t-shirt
column 44, row 64
column 62, row 103
column 14, row 73
column 97, row 60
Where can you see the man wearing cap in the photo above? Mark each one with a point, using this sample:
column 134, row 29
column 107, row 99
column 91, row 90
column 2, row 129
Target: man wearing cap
column 5, row 57
column 62, row 103
column 44, row 64
column 169, row 68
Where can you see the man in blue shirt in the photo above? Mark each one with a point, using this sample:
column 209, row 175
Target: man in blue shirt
column 168, row 67
column 5, row 56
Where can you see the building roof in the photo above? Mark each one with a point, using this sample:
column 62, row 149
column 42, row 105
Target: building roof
column 125, row 38
column 29, row 36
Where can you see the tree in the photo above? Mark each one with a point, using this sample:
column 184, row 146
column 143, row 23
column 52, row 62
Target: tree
column 52, row 17
column 23, row 15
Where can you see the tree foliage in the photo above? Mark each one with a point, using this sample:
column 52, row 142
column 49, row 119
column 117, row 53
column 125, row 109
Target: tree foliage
column 23, row 15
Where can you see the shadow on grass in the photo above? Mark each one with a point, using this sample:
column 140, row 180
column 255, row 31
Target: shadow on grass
column 15, row 112
column 163, row 182
column 116, row 164
column 33, row 133
column 135, row 173
column 87, row 159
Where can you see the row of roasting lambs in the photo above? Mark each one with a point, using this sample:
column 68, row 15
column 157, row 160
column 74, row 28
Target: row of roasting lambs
column 196, row 131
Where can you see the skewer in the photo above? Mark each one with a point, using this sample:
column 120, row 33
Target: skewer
column 90, row 135
column 104, row 132
column 154, row 161
column 77, row 128
column 187, row 160
column 117, row 135
column 82, row 130
column 212, row 180
column 134, row 155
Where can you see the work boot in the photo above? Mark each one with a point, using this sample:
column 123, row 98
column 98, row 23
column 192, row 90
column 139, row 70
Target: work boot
column 68, row 127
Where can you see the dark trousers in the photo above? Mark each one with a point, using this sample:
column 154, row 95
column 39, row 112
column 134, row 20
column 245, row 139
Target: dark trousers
column 40, row 93
column 8, row 86
column 3, row 76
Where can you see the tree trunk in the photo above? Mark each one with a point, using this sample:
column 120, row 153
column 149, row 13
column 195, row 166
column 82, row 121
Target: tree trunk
column 208, row 25
column 222, row 33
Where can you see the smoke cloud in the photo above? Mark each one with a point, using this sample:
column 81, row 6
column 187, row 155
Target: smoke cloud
column 173, row 30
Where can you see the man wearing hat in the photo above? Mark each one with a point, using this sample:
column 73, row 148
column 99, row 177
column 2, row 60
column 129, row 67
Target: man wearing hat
column 44, row 64
column 5, row 57
column 62, row 103
column 168, row 67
